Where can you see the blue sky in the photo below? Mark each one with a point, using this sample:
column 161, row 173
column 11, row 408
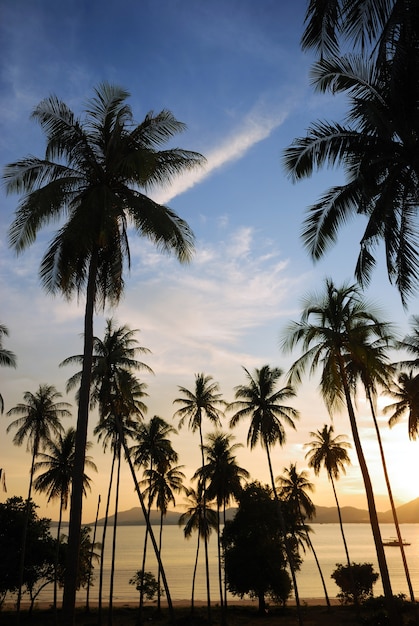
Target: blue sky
column 234, row 72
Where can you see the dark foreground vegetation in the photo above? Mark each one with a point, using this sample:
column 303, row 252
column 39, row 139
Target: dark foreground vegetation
column 372, row 613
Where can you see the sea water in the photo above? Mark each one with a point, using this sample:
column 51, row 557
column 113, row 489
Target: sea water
column 178, row 556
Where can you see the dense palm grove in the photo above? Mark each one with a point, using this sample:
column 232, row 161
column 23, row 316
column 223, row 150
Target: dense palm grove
column 94, row 179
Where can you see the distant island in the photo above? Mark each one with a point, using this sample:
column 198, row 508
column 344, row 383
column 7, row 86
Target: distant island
column 407, row 514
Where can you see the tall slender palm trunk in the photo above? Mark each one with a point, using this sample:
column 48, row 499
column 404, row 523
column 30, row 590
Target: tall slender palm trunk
column 57, row 556
column 25, row 533
column 198, row 544
column 70, row 581
column 390, row 495
column 140, row 608
column 102, row 549
column 375, row 527
column 147, row 521
column 115, row 527
column 87, row 609
column 288, row 551
column 204, row 507
column 348, row 560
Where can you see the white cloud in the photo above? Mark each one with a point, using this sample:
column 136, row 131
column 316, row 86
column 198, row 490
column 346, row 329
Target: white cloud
column 256, row 127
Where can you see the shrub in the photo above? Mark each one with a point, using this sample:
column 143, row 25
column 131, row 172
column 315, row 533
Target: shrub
column 355, row 581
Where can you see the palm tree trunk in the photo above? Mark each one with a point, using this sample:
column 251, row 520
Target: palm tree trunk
column 198, row 543
column 140, row 610
column 204, row 502
column 102, row 549
column 70, row 581
column 91, row 557
column 147, row 521
column 290, row 557
column 348, row 560
column 319, row 569
column 158, row 572
column 220, row 577
column 390, row 495
column 25, row 532
column 375, row 527
column 57, row 555
column 115, row 526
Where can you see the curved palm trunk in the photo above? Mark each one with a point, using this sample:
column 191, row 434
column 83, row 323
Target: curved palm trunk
column 91, row 557
column 375, row 527
column 102, row 549
column 159, row 573
column 115, row 526
column 390, row 495
column 204, row 507
column 140, row 610
column 25, row 532
column 284, row 533
column 57, row 555
column 70, row 580
column 198, row 543
column 147, row 521
column 326, row 595
column 340, row 521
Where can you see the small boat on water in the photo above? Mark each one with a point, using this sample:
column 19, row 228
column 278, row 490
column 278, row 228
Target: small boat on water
column 394, row 542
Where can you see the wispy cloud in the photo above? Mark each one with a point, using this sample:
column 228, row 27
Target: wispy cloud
column 257, row 126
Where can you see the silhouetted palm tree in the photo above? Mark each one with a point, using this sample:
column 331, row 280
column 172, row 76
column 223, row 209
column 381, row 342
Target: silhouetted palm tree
column 124, row 405
column 377, row 142
column 55, row 481
column 199, row 517
column 152, row 448
column 330, row 452
column 405, row 390
column 223, row 480
column 261, row 401
column 163, row 483
column 330, row 330
column 95, row 174
column 204, row 401
column 294, row 487
column 7, row 358
column 39, row 422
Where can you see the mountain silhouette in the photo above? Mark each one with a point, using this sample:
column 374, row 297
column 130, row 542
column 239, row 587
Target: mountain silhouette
column 407, row 514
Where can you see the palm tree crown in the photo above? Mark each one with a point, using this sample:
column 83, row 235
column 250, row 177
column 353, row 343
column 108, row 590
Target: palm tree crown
column 7, row 357
column 328, row 451
column 40, row 417
column 294, row 488
column 204, row 401
column 261, row 401
column 58, row 463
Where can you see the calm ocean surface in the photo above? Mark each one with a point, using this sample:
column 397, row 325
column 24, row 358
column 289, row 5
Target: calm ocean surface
column 178, row 556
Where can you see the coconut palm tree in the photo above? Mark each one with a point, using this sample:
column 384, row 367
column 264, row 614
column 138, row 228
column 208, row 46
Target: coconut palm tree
column 39, row 421
column 374, row 146
column 163, row 483
column 95, row 175
column 261, row 401
column 331, row 453
column 382, row 27
column 199, row 517
column 371, row 365
column 7, row 358
column 124, row 407
column 204, row 401
column 294, row 487
column 223, row 478
column 331, row 327
column 55, row 480
column 152, row 448
column 405, row 391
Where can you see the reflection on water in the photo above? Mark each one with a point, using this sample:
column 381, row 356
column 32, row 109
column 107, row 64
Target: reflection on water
column 178, row 555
